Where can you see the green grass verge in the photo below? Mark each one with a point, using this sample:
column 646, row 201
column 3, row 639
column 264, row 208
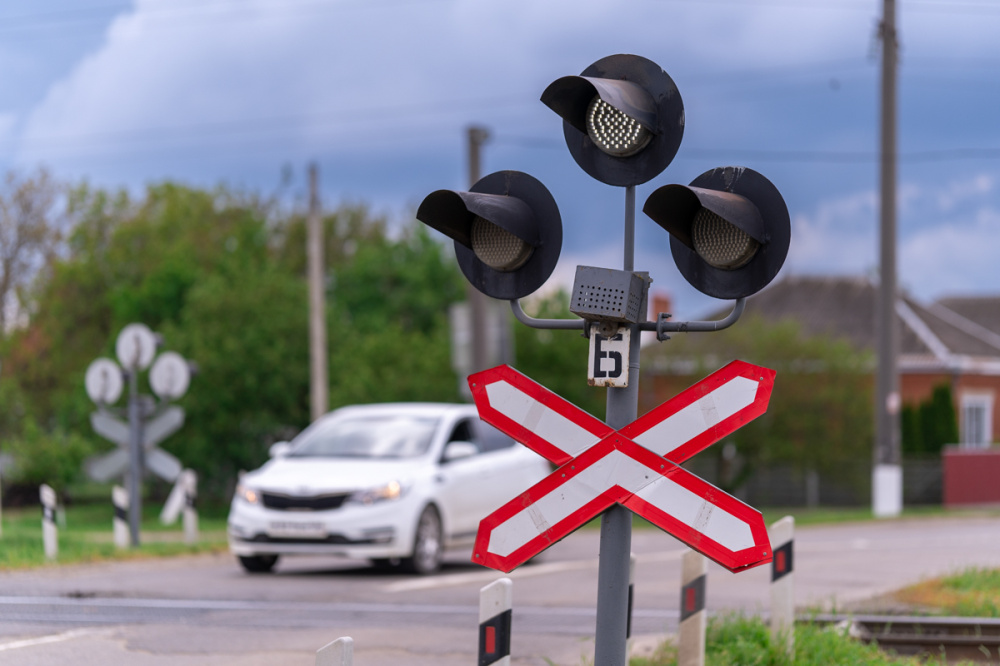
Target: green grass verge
column 737, row 640
column 973, row 592
column 86, row 536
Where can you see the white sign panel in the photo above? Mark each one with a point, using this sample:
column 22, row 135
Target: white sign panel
column 135, row 347
column 170, row 376
column 607, row 363
column 103, row 381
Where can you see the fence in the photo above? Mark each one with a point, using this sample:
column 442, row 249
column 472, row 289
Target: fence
column 834, row 485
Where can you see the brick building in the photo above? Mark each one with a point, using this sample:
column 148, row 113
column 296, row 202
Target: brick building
column 954, row 341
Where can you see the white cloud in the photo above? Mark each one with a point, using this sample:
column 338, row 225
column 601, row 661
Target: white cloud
column 838, row 237
column 159, row 67
column 339, row 79
column 958, row 256
column 962, row 191
column 937, row 253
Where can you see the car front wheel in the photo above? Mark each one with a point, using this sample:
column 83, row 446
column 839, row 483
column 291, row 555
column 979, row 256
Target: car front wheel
column 428, row 545
column 258, row 563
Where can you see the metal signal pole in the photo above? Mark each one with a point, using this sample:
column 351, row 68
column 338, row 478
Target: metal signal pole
column 622, row 407
column 478, row 301
column 887, row 476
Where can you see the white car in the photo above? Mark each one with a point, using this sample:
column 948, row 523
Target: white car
column 393, row 483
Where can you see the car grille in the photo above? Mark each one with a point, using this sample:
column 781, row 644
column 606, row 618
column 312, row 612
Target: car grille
column 336, row 539
column 313, row 503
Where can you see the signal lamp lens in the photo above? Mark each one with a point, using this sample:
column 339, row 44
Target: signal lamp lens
column 720, row 243
column 498, row 248
column 615, row 132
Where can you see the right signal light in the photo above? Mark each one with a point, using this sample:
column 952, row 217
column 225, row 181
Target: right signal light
column 729, row 230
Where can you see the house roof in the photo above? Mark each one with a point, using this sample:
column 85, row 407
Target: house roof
column 955, row 333
column 979, row 315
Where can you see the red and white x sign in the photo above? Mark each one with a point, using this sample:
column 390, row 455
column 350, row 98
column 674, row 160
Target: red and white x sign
column 637, row 466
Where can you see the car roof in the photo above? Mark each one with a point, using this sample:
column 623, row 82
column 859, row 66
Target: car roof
column 413, row 408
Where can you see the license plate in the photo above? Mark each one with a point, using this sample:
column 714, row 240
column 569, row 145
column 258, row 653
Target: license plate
column 303, row 530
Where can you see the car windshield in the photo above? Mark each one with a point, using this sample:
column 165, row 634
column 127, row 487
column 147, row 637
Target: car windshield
column 381, row 436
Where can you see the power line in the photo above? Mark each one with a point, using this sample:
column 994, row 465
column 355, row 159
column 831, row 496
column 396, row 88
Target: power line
column 789, row 156
column 276, row 124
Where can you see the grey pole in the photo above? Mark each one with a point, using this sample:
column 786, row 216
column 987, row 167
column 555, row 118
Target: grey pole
column 611, row 635
column 135, row 457
column 319, row 382
column 886, row 496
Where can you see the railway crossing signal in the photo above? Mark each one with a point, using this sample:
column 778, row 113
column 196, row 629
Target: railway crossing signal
column 145, row 425
column 623, row 120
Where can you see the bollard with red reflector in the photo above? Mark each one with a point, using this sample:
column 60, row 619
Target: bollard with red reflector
column 691, row 632
column 782, row 586
column 495, row 610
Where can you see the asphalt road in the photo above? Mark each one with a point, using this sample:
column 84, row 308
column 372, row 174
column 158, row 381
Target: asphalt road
column 204, row 610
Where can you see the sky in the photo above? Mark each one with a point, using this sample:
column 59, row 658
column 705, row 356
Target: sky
column 379, row 93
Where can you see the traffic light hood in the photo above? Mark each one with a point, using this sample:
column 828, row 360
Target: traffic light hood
column 570, row 97
column 452, row 213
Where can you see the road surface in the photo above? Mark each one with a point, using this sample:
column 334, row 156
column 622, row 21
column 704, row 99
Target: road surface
column 204, row 610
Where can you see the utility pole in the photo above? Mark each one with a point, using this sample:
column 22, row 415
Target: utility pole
column 887, row 474
column 478, row 301
column 319, row 383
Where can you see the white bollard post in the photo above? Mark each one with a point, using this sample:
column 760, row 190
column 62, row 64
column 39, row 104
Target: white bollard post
column 691, row 633
column 338, row 653
column 495, row 610
column 782, row 586
column 49, row 532
column 119, row 524
column 190, row 515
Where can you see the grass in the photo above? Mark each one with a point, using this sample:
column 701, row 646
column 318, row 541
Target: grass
column 87, row 536
column 738, row 640
column 973, row 592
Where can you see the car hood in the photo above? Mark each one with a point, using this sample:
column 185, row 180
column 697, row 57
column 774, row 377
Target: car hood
column 308, row 476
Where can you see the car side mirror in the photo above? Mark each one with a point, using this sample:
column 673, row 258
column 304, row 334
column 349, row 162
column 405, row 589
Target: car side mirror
column 459, row 450
column 279, row 449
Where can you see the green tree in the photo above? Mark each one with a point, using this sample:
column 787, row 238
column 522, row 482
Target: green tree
column 820, row 413
column 929, row 425
column 557, row 359
column 221, row 276
column 30, row 232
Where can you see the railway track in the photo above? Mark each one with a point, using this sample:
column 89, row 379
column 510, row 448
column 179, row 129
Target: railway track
column 953, row 638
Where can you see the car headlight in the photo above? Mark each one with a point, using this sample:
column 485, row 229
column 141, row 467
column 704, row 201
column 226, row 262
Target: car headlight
column 385, row 493
column 247, row 494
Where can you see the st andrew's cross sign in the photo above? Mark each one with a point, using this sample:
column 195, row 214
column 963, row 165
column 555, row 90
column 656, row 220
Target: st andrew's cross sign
column 637, row 466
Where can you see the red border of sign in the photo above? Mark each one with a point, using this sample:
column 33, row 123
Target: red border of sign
column 548, row 450
column 759, row 553
column 611, row 440
column 556, row 532
column 752, row 556
column 765, row 384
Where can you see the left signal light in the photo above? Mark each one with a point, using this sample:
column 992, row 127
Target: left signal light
column 507, row 232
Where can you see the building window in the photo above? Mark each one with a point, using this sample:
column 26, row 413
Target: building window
column 977, row 420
